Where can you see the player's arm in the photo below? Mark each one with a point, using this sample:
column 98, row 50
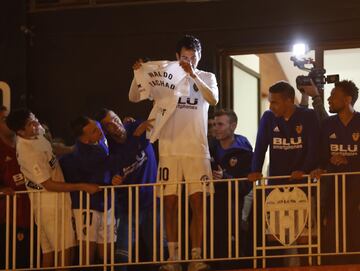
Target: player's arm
column 53, row 186
column 313, row 143
column 261, row 145
column 209, row 92
column 324, row 156
column 134, row 94
column 7, row 190
column 317, row 103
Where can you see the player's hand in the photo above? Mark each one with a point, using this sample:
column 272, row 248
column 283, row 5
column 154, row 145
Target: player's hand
column 117, row 180
column 8, row 191
column 311, row 90
column 218, row 174
column 188, row 68
column 297, row 175
column 316, row 173
column 144, row 126
column 90, row 188
column 254, row 176
column 137, row 64
column 128, row 120
column 338, row 160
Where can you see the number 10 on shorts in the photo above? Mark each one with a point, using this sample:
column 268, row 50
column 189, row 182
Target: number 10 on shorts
column 163, row 173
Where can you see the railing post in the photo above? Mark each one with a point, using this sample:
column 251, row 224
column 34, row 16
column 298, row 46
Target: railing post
column 130, row 225
column 81, row 263
column 254, row 225
column 337, row 213
column 31, row 230
column 179, row 220
column 318, row 217
column 343, row 181
column 263, row 226
column 137, row 224
column 7, row 245
column 105, row 223
column 237, row 243
column 63, row 229
column 112, row 256
column 204, row 194
column 56, row 229
column 155, row 225
column 87, row 222
column 309, row 220
column 161, row 221
column 229, row 220
column 212, row 222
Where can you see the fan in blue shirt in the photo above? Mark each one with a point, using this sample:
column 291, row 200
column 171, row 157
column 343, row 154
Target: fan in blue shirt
column 137, row 165
column 91, row 162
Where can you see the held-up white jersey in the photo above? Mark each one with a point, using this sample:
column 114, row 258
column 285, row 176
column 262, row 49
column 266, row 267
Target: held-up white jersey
column 185, row 132
column 38, row 164
column 156, row 79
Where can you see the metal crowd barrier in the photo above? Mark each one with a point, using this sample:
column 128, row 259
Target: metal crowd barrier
column 284, row 217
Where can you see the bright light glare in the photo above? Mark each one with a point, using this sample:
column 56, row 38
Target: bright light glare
column 299, row 49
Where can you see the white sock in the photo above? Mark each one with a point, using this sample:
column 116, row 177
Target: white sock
column 196, row 253
column 173, row 250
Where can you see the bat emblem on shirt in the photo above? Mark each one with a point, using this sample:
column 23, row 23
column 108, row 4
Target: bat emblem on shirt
column 233, row 161
column 355, row 136
column 299, row 128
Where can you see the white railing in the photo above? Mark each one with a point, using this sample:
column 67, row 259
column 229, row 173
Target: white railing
column 282, row 220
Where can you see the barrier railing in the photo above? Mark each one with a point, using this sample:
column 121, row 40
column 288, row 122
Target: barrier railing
column 287, row 222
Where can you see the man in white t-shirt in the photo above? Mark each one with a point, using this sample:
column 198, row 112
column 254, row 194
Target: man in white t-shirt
column 184, row 151
column 42, row 172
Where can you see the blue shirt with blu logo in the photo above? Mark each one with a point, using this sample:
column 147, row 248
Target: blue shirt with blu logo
column 136, row 160
column 338, row 139
column 293, row 143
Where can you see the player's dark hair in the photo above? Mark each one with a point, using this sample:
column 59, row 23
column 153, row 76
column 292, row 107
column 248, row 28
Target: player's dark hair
column 188, row 42
column 101, row 114
column 228, row 112
column 78, row 124
column 17, row 119
column 349, row 89
column 284, row 88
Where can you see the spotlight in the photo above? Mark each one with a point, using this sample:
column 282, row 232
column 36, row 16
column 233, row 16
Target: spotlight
column 299, row 49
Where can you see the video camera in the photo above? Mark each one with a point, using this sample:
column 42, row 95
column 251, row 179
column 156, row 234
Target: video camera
column 317, row 75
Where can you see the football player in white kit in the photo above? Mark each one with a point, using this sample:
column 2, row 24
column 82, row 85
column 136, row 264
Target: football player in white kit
column 42, row 172
column 184, row 151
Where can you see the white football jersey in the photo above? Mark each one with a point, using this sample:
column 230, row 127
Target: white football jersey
column 185, row 132
column 156, row 79
column 38, row 164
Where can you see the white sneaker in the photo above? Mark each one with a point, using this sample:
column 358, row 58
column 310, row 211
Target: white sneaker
column 171, row 267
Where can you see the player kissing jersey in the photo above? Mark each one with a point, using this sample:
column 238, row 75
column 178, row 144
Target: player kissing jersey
column 185, row 133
